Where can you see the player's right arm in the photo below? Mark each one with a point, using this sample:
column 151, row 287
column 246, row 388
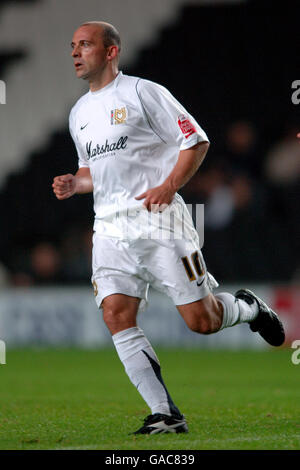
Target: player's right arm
column 65, row 186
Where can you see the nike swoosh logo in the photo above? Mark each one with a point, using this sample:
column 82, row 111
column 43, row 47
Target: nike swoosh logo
column 199, row 284
column 82, row 127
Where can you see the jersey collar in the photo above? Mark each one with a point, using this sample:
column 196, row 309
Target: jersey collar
column 112, row 85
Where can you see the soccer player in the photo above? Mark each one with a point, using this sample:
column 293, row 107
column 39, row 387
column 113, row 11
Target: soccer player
column 137, row 146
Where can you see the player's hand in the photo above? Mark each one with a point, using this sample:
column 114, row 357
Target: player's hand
column 158, row 198
column 64, row 186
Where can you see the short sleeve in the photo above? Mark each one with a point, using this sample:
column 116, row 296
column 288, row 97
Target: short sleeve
column 82, row 162
column 167, row 117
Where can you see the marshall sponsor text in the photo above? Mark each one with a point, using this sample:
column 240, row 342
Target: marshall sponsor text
column 93, row 151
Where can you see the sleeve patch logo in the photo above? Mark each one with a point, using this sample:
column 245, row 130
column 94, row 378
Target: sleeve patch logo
column 186, row 126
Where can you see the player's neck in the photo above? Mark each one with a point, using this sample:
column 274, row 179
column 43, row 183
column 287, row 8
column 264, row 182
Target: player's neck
column 103, row 79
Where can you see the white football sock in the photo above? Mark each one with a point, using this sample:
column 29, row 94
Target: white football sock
column 143, row 368
column 236, row 310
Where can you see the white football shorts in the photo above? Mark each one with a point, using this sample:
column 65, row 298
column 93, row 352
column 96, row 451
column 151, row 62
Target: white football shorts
column 173, row 267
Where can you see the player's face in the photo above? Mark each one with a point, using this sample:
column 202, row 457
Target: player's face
column 88, row 52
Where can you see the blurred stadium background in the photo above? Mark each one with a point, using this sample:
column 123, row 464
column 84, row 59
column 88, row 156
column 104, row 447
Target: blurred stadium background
column 232, row 64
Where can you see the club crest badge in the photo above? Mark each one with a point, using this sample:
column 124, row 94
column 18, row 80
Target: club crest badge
column 118, row 116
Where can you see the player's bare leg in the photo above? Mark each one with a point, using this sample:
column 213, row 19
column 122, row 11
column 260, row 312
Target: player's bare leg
column 141, row 364
column 215, row 312
column 203, row 316
column 120, row 312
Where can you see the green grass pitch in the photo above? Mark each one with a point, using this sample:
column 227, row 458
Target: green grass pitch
column 78, row 399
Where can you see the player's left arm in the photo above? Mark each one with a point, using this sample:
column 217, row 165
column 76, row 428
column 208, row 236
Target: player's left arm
column 188, row 162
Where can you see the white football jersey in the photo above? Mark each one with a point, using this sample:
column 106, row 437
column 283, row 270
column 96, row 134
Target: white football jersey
column 129, row 135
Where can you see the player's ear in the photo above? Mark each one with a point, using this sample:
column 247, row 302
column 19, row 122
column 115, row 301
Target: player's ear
column 112, row 52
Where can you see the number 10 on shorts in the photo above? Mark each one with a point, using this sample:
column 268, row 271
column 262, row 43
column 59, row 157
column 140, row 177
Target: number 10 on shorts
column 196, row 265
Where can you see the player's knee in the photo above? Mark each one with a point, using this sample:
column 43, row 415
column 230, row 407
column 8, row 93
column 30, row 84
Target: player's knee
column 112, row 318
column 118, row 319
column 109, row 318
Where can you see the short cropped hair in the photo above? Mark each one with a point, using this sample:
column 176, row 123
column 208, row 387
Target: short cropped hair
column 110, row 35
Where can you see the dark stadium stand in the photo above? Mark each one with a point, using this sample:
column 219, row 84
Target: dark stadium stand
column 232, row 67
